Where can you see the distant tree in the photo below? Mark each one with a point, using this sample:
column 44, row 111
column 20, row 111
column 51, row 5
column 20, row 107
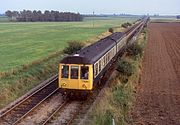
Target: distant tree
column 34, row 16
column 47, row 15
column 8, row 14
column 15, row 13
column 29, row 16
column 178, row 16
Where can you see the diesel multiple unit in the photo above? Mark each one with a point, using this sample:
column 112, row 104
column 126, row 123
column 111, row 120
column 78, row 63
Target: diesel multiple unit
column 82, row 71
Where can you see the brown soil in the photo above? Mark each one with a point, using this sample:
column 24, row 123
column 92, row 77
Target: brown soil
column 158, row 96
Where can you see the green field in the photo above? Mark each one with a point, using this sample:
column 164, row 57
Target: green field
column 22, row 43
column 39, row 45
column 4, row 19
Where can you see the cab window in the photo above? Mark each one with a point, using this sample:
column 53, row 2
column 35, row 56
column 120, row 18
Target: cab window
column 84, row 72
column 65, row 72
column 74, row 72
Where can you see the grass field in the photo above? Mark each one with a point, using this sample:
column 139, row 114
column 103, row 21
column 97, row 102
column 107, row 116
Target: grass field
column 30, row 52
column 22, row 43
column 4, row 19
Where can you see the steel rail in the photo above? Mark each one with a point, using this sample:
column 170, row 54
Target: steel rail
column 33, row 95
column 49, row 82
column 35, row 107
column 57, row 110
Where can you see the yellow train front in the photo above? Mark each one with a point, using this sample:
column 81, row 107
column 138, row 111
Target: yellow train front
column 75, row 75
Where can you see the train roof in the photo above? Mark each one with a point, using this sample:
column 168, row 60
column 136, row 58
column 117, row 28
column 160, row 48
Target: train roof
column 90, row 54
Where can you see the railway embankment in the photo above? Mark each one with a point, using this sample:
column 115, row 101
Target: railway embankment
column 115, row 103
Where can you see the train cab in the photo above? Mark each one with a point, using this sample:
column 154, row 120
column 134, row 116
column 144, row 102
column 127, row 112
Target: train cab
column 75, row 75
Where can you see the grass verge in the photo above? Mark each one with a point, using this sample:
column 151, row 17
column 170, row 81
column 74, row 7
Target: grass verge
column 15, row 83
column 117, row 100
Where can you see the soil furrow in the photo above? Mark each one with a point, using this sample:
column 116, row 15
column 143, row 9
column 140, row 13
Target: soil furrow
column 158, row 96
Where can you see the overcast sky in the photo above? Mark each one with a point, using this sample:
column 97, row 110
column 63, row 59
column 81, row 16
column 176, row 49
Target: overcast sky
column 165, row 7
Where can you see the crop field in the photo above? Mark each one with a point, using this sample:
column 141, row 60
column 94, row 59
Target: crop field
column 23, row 43
column 158, row 98
column 165, row 19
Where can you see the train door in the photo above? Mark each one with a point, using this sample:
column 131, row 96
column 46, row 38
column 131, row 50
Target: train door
column 74, row 76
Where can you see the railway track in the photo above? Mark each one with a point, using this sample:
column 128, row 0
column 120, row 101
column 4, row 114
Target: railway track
column 72, row 112
column 64, row 114
column 46, row 121
column 17, row 112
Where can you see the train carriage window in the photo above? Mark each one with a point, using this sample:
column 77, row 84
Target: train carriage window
column 74, row 72
column 65, row 72
column 114, row 51
column 84, row 72
column 111, row 54
column 103, row 64
column 96, row 69
column 104, row 61
column 99, row 65
column 108, row 56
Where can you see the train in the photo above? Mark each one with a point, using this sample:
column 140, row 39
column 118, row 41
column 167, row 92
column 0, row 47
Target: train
column 81, row 71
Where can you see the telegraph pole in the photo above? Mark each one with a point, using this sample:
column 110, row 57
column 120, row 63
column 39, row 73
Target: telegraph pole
column 93, row 19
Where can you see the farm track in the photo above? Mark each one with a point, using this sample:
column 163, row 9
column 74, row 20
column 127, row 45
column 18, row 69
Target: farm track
column 20, row 110
column 158, row 96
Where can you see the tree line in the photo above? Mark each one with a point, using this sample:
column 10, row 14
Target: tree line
column 47, row 16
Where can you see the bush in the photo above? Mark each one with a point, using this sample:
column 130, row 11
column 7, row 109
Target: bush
column 125, row 25
column 111, row 30
column 129, row 24
column 125, row 67
column 72, row 47
column 135, row 49
column 120, row 96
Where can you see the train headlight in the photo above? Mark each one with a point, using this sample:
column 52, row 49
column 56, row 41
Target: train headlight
column 63, row 84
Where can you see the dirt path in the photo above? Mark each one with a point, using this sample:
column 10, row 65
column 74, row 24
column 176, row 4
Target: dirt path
column 158, row 97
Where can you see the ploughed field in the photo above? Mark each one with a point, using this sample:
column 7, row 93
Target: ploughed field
column 23, row 43
column 158, row 97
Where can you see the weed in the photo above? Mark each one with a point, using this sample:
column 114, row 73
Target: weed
column 125, row 67
column 111, row 30
column 135, row 49
column 73, row 46
column 125, row 25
